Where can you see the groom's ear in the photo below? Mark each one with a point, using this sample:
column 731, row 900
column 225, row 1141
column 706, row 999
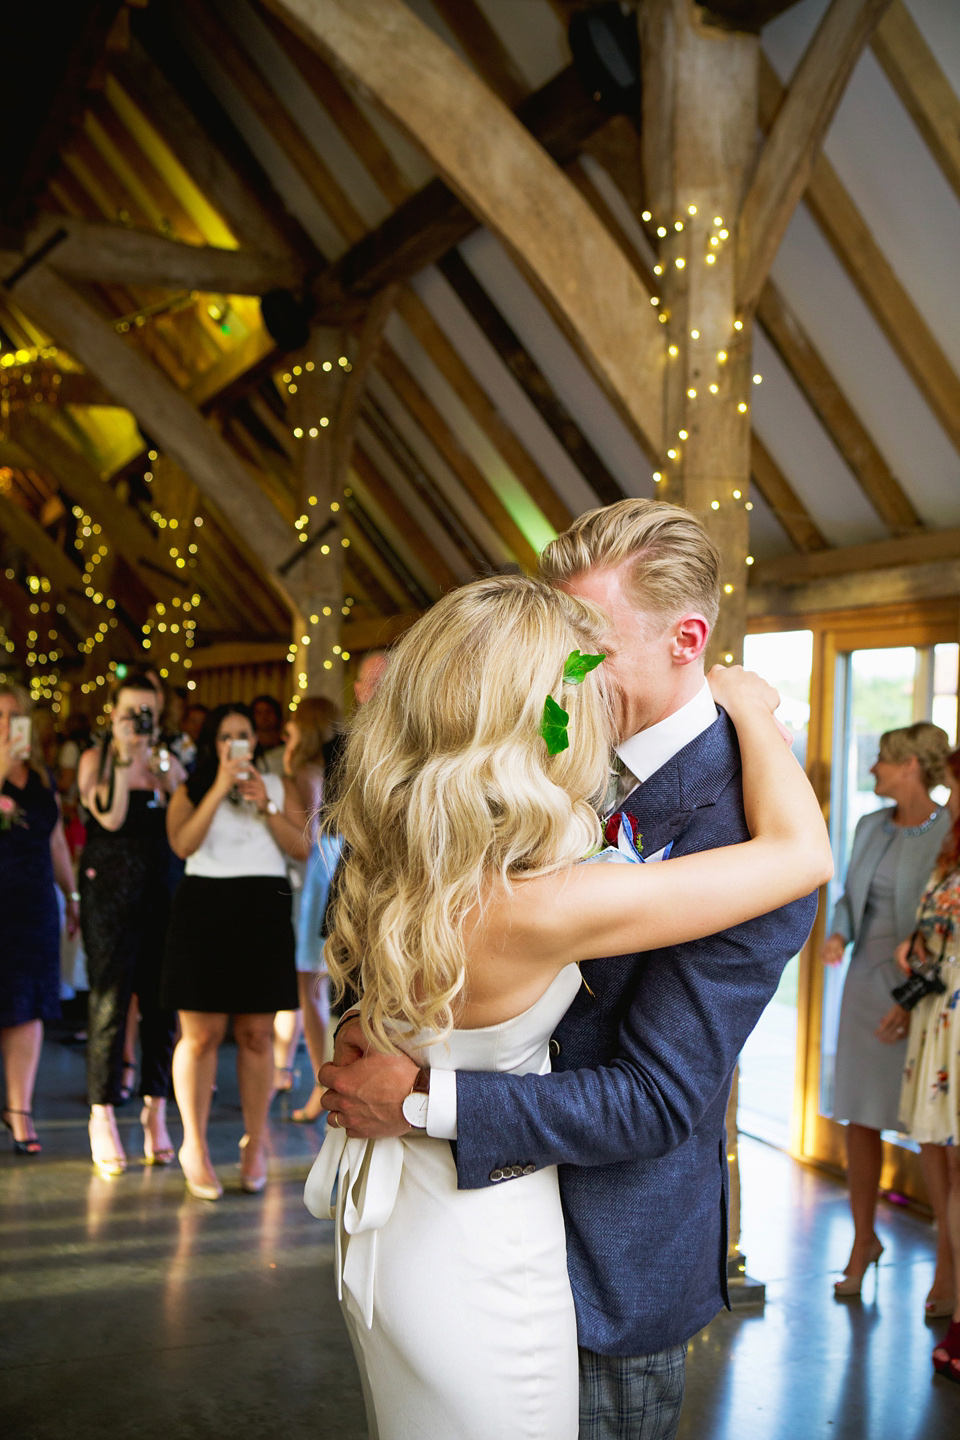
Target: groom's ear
column 688, row 639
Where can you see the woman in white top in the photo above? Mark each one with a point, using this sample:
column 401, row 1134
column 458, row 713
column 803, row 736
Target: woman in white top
column 229, row 948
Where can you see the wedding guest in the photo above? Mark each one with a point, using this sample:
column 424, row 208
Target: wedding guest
column 308, row 732
column 193, row 722
column 893, row 853
column 125, row 902
column 930, row 1098
column 230, row 949
column 268, row 722
column 33, row 854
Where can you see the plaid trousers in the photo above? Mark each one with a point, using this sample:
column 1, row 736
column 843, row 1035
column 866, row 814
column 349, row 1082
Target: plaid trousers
column 631, row 1397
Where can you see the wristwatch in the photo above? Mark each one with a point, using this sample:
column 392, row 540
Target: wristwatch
column 415, row 1104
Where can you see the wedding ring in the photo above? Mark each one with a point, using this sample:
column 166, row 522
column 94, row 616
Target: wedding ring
column 331, row 1117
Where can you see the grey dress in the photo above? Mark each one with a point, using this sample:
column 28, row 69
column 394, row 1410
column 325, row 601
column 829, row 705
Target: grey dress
column 888, row 861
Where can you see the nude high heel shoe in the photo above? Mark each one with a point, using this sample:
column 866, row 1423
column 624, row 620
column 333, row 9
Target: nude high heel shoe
column 850, row 1285
column 199, row 1189
column 252, row 1184
column 153, row 1120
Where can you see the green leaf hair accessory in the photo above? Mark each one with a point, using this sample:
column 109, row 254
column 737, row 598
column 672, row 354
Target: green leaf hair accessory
column 553, row 725
column 577, row 667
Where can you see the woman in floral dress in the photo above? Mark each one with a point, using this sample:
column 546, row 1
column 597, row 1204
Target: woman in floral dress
column 930, row 1098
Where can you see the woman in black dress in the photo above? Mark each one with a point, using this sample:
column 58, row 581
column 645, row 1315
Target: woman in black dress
column 125, row 903
column 33, row 852
column 230, row 944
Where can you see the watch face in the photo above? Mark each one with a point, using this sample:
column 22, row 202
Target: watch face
column 415, row 1109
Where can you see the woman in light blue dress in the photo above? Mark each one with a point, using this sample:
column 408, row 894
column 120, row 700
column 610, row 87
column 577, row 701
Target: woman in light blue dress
column 307, row 734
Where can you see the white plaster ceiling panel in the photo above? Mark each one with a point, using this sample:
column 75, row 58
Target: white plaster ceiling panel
column 533, row 34
column 868, row 371
column 807, row 456
column 768, row 539
column 890, row 173
column 297, row 197
column 439, row 471
column 568, row 376
column 488, row 459
column 902, row 194
column 482, row 360
column 417, row 508
column 939, row 23
column 300, row 102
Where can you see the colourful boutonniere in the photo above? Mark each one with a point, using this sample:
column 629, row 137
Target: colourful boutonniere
column 11, row 814
column 554, row 722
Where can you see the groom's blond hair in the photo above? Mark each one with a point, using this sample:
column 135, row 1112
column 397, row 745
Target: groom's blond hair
column 672, row 564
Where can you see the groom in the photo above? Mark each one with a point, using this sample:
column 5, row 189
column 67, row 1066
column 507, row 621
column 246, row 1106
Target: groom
column 633, row 1111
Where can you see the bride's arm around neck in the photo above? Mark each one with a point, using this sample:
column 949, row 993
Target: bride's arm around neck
column 529, row 930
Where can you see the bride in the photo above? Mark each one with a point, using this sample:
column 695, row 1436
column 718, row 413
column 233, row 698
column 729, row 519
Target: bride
column 472, row 788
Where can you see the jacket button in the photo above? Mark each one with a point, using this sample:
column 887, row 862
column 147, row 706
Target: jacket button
column 496, row 1175
column 516, row 1171
column 529, row 1169
column 554, row 1047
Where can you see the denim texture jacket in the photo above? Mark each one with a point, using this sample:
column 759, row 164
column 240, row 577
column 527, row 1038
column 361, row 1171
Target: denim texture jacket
column 634, row 1110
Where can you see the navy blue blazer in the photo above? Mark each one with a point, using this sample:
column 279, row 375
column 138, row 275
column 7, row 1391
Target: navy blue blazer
column 634, row 1110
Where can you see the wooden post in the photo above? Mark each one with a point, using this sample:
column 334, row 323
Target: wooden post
column 329, row 377
column 699, row 143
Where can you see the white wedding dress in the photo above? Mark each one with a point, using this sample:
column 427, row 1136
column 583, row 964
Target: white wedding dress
column 457, row 1301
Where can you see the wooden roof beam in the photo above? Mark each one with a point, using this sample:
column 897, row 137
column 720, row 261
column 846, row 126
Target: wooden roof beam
column 486, row 154
column 920, row 549
column 787, row 159
column 161, row 410
column 929, row 98
column 873, row 276
column 560, row 116
column 117, row 255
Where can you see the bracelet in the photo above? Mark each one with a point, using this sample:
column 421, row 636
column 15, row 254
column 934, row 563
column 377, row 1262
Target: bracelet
column 74, row 895
column 121, row 764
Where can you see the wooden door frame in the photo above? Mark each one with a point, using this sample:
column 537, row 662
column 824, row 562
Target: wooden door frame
column 815, row 1137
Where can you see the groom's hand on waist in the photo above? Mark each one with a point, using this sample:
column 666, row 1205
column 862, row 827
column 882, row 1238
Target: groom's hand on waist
column 366, row 1094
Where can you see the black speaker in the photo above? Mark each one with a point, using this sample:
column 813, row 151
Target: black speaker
column 606, row 53
column 287, row 318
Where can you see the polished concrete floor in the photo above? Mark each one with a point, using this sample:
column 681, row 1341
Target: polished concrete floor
column 129, row 1311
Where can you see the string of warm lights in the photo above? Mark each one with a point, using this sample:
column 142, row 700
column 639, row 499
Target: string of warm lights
column 716, row 238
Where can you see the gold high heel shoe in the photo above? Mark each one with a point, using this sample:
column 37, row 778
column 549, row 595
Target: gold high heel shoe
column 107, row 1166
column 200, row 1189
column 151, row 1154
column 850, row 1285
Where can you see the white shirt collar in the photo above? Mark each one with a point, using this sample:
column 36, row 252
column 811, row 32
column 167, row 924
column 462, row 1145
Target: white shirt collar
column 644, row 753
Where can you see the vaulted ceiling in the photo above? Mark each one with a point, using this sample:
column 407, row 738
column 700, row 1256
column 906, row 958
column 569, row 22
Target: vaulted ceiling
column 481, row 432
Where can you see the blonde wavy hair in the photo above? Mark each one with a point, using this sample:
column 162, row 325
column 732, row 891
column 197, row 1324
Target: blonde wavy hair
column 925, row 740
column 448, row 787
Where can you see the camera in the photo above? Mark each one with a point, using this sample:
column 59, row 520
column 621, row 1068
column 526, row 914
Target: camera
column 143, row 721
column 925, row 980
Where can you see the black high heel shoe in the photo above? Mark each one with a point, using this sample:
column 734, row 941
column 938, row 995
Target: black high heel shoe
column 30, row 1146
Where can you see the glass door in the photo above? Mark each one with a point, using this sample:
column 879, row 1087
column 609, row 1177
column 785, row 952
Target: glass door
column 872, row 671
column 875, row 689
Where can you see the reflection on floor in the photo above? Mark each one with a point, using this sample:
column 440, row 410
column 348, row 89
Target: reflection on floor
column 133, row 1312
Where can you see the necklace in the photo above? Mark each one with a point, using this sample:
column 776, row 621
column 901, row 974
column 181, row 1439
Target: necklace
column 910, row 830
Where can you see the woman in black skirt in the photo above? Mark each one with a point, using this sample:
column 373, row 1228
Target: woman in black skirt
column 124, row 905
column 230, row 948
